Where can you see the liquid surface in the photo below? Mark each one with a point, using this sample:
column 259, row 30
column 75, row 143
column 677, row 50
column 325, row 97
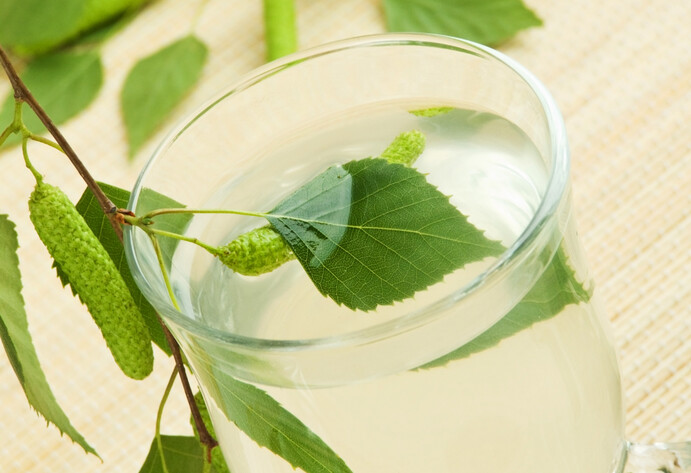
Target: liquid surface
column 485, row 163
column 544, row 400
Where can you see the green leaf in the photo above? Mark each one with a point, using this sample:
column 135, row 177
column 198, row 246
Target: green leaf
column 29, row 26
column 64, row 83
column 98, row 12
column 176, row 223
column 156, row 84
column 270, row 425
column 37, row 26
column 97, row 221
column 182, row 455
column 15, row 336
column 484, row 21
column 107, row 30
column 554, row 290
column 371, row 232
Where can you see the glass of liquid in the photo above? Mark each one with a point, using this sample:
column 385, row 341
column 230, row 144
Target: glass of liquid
column 504, row 365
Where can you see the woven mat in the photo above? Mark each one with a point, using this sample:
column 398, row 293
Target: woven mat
column 621, row 72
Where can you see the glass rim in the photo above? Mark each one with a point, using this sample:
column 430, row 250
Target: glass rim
column 554, row 190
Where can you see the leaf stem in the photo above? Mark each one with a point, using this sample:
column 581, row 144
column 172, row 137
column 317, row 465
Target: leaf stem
column 27, row 162
column 6, row 133
column 144, row 223
column 16, row 124
column 164, row 271
column 159, row 417
column 280, row 29
column 206, row 467
column 157, row 212
column 45, row 141
column 177, row 236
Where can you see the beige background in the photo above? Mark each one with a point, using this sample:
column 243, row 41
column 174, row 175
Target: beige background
column 621, row 72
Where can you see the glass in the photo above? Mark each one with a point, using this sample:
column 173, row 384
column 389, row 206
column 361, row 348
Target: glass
column 507, row 365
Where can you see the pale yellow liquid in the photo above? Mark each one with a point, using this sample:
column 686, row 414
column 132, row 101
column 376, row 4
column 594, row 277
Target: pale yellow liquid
column 545, row 400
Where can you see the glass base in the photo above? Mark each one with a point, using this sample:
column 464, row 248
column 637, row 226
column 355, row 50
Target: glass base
column 658, row 458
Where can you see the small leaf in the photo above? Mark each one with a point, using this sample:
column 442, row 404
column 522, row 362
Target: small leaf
column 64, row 83
column 176, row 223
column 485, row 21
column 372, row 232
column 554, row 290
column 270, row 425
column 15, row 336
column 156, row 84
column 182, row 455
column 97, row 221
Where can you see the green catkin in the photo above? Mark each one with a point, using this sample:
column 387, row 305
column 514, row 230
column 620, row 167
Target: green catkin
column 263, row 249
column 431, row 112
column 218, row 462
column 94, row 278
column 280, row 28
column 256, row 252
column 405, row 148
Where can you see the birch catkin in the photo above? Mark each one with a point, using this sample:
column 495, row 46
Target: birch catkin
column 263, row 249
column 256, row 252
column 93, row 277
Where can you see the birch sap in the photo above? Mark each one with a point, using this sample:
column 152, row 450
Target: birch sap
column 542, row 397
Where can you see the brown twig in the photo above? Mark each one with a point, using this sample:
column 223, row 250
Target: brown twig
column 204, row 436
column 21, row 92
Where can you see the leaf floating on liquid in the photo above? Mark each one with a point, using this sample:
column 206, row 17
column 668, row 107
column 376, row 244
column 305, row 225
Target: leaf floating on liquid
column 556, row 288
column 370, row 233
